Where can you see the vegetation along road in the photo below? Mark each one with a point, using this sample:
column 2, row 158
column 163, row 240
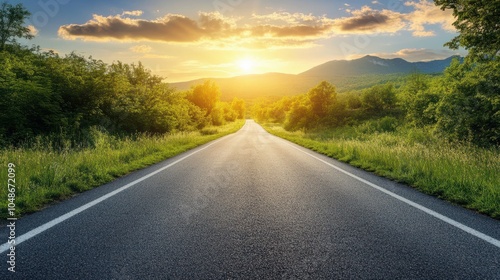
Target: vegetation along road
column 253, row 206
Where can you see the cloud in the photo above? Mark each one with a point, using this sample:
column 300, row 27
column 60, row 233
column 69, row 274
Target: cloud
column 32, row 30
column 414, row 55
column 267, row 31
column 368, row 20
column 212, row 29
column 137, row 13
column 171, row 28
column 427, row 13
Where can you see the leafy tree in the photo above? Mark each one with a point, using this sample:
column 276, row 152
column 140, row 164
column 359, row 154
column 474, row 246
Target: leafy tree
column 298, row 116
column 205, row 96
column 419, row 99
column 66, row 98
column 322, row 97
column 379, row 98
column 421, row 108
column 470, row 108
column 478, row 24
column 27, row 98
column 278, row 111
column 337, row 114
column 238, row 106
column 217, row 114
column 353, row 100
column 11, row 24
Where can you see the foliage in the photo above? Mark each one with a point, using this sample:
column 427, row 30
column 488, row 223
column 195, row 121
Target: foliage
column 298, row 116
column 470, row 109
column 477, row 22
column 378, row 98
column 205, row 96
column 419, row 98
column 239, row 107
column 12, row 19
column 461, row 105
column 322, row 106
column 63, row 98
column 321, row 98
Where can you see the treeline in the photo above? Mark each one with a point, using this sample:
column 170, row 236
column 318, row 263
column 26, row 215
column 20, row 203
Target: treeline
column 463, row 104
column 65, row 98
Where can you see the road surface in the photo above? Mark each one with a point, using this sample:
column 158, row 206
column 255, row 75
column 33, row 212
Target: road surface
column 253, row 206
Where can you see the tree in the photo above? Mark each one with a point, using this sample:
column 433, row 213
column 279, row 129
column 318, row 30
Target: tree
column 419, row 100
column 299, row 115
column 205, row 96
column 478, row 24
column 238, row 105
column 470, row 109
column 379, row 98
column 11, row 24
column 322, row 97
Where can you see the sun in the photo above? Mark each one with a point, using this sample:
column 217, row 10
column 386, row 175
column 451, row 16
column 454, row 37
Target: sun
column 246, row 65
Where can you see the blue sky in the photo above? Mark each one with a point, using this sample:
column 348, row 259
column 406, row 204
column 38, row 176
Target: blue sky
column 183, row 40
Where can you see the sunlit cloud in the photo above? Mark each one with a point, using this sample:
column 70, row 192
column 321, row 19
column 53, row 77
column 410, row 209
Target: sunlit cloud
column 213, row 29
column 427, row 13
column 171, row 28
column 267, row 31
column 133, row 13
column 32, row 30
column 368, row 20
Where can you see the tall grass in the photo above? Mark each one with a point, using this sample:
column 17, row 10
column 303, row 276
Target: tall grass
column 44, row 175
column 461, row 173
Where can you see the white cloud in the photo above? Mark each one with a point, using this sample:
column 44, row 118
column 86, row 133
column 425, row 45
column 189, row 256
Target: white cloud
column 427, row 13
column 136, row 13
column 32, row 29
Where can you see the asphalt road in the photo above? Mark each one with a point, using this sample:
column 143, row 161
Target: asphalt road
column 253, row 206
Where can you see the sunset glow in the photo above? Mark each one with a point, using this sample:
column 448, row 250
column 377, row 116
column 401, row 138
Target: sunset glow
column 246, row 65
column 183, row 41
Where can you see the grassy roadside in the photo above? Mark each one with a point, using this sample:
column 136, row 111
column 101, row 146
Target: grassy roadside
column 462, row 174
column 44, row 176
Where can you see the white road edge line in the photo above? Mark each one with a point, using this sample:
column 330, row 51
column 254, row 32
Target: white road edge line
column 435, row 214
column 34, row 232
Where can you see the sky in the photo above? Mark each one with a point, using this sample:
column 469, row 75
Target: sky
column 191, row 39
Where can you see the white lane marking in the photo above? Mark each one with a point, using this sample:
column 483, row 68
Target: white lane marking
column 487, row 238
column 34, row 232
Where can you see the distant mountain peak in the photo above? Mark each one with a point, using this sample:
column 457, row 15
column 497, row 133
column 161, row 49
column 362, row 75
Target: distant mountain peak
column 370, row 57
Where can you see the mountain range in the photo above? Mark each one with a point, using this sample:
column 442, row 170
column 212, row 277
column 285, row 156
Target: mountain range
column 344, row 74
column 376, row 65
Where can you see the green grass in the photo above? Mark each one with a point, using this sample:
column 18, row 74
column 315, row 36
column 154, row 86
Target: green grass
column 460, row 173
column 44, row 175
